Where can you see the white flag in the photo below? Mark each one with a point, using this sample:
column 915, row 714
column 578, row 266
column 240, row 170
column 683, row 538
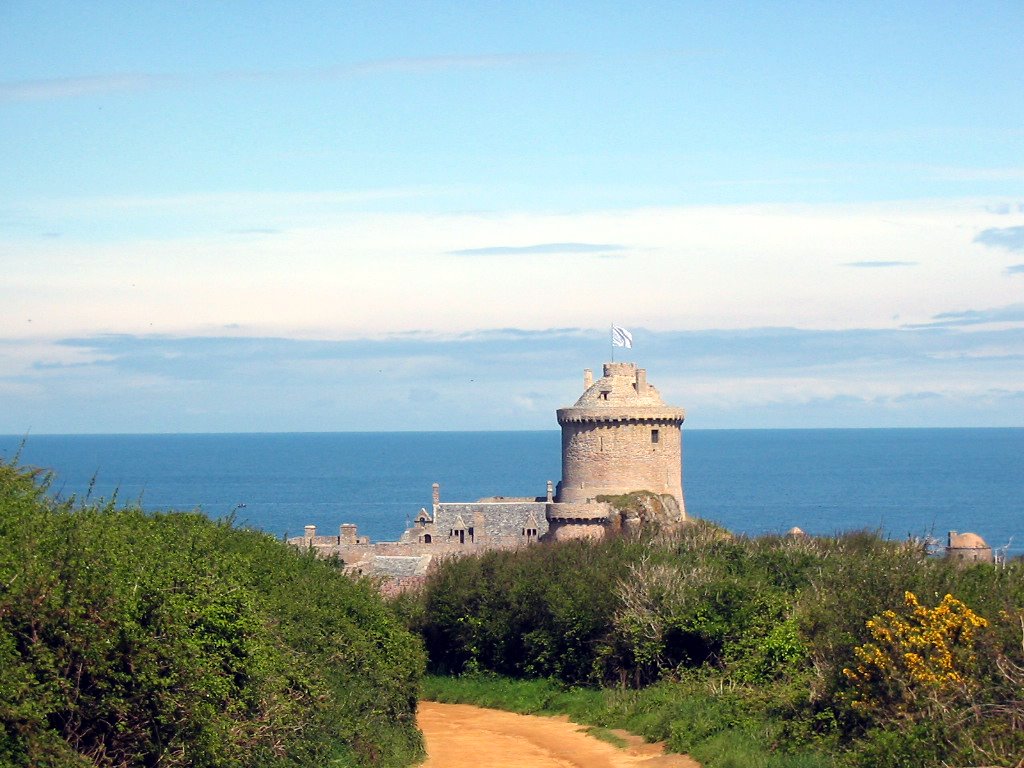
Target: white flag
column 621, row 337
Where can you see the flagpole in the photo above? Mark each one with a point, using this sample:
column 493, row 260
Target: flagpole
column 611, row 339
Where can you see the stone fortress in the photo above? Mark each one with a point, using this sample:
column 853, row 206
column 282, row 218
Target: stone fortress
column 619, row 438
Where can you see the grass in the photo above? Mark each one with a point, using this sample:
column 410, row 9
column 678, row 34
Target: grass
column 608, row 736
column 527, row 697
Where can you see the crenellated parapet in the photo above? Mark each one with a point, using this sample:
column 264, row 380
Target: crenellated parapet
column 671, row 416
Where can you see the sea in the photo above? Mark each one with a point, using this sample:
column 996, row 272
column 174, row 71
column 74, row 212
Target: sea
column 899, row 482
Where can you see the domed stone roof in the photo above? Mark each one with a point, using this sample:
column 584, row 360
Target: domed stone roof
column 622, row 393
column 966, row 541
column 618, row 387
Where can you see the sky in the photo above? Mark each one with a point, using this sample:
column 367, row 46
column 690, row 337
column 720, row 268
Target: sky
column 322, row 216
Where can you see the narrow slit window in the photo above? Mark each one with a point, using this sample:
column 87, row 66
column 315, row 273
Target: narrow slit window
column 655, row 436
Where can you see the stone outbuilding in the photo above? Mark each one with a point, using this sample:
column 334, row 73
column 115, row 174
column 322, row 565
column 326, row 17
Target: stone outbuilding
column 968, row 547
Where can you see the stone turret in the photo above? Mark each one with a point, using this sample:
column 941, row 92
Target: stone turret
column 968, row 547
column 620, row 436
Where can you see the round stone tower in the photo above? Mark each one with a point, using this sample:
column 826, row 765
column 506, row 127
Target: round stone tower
column 620, row 437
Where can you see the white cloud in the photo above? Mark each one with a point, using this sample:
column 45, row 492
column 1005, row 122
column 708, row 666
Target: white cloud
column 509, row 379
column 879, row 264
column 541, row 249
column 39, row 356
column 348, row 272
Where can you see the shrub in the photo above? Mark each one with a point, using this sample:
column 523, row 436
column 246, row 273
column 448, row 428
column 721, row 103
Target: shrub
column 767, row 626
column 134, row 639
column 919, row 665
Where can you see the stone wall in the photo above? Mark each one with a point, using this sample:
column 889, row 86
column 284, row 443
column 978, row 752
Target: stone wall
column 578, row 521
column 568, row 530
column 401, row 566
column 394, row 587
column 611, row 458
column 456, row 529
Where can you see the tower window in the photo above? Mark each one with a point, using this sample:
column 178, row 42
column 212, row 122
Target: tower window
column 654, row 436
column 605, row 393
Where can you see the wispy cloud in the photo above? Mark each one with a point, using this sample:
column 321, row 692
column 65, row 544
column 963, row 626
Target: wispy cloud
column 72, row 87
column 540, row 248
column 1010, row 238
column 1004, row 209
column 505, row 357
column 1015, row 269
column 344, row 265
column 951, row 173
column 233, row 200
column 440, row 63
column 255, row 231
column 493, row 355
column 507, row 378
column 879, row 264
column 925, row 133
column 1013, row 313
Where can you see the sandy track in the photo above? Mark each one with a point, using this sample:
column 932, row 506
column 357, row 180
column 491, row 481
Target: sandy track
column 464, row 736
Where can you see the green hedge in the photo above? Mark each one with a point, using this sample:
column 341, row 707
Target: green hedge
column 132, row 639
column 764, row 627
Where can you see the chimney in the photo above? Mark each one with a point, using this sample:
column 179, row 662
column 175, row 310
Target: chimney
column 588, row 379
column 310, row 531
column 641, row 381
column 436, row 493
column 551, row 491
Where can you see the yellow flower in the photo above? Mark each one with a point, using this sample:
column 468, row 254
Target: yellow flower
column 921, row 655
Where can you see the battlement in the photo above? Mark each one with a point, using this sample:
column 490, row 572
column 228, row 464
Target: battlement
column 620, row 369
column 623, row 385
column 625, row 415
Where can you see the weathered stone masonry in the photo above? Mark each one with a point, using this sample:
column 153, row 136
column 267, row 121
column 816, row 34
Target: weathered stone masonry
column 619, row 437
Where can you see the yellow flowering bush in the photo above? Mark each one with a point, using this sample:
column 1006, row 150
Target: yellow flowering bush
column 918, row 662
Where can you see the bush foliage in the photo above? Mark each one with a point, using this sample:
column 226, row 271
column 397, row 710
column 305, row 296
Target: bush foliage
column 796, row 642
column 132, row 639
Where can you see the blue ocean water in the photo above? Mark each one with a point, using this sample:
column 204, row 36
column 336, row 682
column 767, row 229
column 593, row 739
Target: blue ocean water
column 898, row 481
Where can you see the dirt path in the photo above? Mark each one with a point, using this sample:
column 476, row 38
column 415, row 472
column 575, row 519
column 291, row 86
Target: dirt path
column 464, row 736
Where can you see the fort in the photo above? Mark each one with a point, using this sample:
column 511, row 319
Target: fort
column 619, row 440
column 622, row 454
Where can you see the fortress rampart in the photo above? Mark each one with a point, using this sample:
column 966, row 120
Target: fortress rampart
column 619, row 437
